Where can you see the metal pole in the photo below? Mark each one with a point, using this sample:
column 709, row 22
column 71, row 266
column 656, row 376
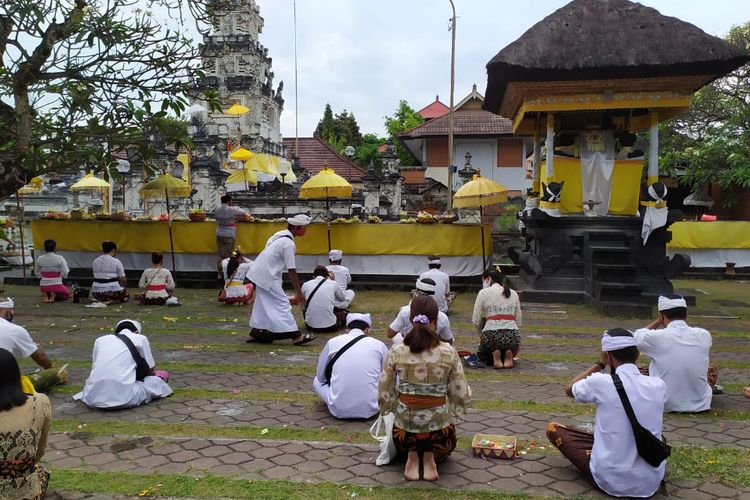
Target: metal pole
column 123, row 193
column 20, row 229
column 296, row 109
column 328, row 218
column 481, row 227
column 450, row 115
column 283, row 195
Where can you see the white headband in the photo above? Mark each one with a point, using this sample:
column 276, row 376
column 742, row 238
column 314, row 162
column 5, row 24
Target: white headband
column 299, row 220
column 667, row 303
column 351, row 317
column 434, row 261
column 136, row 323
column 652, row 193
column 425, row 287
column 616, row 343
column 7, row 304
column 335, row 255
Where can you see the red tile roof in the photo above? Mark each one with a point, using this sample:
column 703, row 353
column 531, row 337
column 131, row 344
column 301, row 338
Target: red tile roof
column 314, row 154
column 434, row 109
column 466, row 122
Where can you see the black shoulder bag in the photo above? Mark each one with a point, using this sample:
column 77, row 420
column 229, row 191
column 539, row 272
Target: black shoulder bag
column 141, row 367
column 650, row 448
column 329, row 366
column 307, row 302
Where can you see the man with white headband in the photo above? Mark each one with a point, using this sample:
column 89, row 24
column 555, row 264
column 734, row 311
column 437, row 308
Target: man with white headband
column 401, row 326
column 16, row 340
column 342, row 276
column 349, row 369
column 443, row 295
column 608, row 458
column 116, row 380
column 679, row 356
column 272, row 317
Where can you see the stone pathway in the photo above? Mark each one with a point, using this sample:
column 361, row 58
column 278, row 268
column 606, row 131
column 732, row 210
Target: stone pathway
column 67, row 332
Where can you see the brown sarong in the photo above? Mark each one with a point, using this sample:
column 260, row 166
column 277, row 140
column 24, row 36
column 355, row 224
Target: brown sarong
column 575, row 445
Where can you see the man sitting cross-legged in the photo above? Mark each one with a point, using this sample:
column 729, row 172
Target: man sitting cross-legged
column 608, row 458
column 347, row 381
column 116, row 380
column 321, row 296
column 401, row 326
column 679, row 356
column 342, row 276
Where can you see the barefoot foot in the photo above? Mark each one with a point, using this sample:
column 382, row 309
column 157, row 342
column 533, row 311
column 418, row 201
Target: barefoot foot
column 430, row 467
column 411, row 471
column 508, row 363
column 496, row 359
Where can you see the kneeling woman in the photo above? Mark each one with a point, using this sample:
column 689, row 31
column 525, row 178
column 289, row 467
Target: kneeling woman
column 497, row 317
column 235, row 269
column 157, row 281
column 423, row 384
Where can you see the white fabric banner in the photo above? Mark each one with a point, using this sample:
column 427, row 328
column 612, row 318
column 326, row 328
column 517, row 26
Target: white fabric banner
column 597, row 163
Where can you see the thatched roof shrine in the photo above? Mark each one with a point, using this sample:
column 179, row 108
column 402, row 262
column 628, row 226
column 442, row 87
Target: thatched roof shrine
column 613, row 46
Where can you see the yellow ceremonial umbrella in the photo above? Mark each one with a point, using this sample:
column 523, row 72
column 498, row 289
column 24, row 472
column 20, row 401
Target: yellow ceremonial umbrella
column 237, row 109
column 241, row 178
column 326, row 184
column 241, row 154
column 261, row 162
column 166, row 185
column 89, row 181
column 480, row 192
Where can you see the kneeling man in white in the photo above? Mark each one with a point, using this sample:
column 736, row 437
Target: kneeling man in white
column 114, row 382
column 349, row 369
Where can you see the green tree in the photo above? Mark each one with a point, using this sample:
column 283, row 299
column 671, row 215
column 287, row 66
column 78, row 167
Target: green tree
column 405, row 118
column 81, row 78
column 338, row 131
column 712, row 139
column 367, row 152
column 347, row 129
column 326, row 129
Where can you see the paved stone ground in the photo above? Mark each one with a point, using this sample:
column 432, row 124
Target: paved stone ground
column 204, row 348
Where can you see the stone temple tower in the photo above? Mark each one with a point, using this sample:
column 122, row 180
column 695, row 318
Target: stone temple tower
column 238, row 66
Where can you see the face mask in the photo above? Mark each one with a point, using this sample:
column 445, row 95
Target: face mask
column 486, row 283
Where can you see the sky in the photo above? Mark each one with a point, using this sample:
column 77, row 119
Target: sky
column 364, row 56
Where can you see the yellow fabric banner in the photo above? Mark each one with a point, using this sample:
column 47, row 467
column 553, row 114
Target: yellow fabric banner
column 200, row 237
column 718, row 234
column 626, row 180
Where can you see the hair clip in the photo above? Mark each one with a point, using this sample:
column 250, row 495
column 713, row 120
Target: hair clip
column 421, row 319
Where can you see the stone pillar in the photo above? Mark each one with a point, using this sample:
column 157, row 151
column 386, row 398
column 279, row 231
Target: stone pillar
column 653, row 149
column 535, row 162
column 550, row 143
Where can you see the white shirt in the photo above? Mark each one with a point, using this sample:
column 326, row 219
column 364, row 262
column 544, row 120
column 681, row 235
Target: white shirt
column 157, row 277
column 276, row 257
column 106, row 267
column 226, row 225
column 341, row 274
column 16, row 340
column 112, row 380
column 51, row 262
column 353, row 392
column 615, row 464
column 679, row 356
column 401, row 325
column 234, row 284
column 442, row 286
column 320, row 308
